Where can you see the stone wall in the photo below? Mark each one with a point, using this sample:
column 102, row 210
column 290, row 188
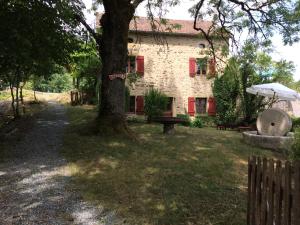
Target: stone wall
column 167, row 69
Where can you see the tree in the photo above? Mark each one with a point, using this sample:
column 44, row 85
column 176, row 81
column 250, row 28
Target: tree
column 230, row 16
column 226, row 91
column 252, row 66
column 85, row 68
column 283, row 72
column 35, row 34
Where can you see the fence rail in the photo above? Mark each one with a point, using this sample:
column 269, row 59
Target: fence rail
column 273, row 192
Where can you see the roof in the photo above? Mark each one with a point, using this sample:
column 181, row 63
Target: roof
column 170, row 26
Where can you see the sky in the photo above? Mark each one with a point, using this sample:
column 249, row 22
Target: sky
column 180, row 12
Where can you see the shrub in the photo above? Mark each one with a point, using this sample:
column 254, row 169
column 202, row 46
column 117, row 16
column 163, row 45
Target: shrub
column 155, row 103
column 295, row 155
column 296, row 123
column 198, row 122
column 208, row 121
column 186, row 117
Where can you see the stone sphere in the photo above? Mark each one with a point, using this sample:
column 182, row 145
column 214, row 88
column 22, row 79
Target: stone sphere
column 273, row 122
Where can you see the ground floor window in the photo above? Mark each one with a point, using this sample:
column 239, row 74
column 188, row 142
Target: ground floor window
column 169, row 109
column 131, row 104
column 201, row 105
column 170, row 104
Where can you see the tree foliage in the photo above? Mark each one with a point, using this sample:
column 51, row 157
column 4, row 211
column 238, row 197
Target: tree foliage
column 35, row 34
column 226, row 92
column 85, row 68
column 252, row 66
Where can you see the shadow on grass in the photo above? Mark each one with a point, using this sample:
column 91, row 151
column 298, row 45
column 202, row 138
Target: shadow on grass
column 197, row 176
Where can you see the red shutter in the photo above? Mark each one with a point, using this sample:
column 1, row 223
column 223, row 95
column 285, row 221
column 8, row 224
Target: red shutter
column 140, row 65
column 191, row 106
column 212, row 67
column 211, row 106
column 139, row 105
column 192, row 67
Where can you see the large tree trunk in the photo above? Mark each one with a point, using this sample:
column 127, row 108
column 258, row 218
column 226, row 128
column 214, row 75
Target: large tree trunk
column 115, row 25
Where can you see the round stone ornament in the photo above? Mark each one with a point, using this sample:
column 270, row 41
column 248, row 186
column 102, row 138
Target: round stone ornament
column 273, row 122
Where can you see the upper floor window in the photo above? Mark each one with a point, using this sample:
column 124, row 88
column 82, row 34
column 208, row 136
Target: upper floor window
column 130, row 40
column 131, row 64
column 201, row 66
column 201, row 45
column 135, row 64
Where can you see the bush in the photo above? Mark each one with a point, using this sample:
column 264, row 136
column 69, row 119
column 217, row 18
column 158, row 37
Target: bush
column 186, row 117
column 198, row 122
column 208, row 121
column 295, row 155
column 296, row 123
column 155, row 103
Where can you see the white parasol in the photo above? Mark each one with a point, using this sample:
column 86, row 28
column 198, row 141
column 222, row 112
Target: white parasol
column 274, row 90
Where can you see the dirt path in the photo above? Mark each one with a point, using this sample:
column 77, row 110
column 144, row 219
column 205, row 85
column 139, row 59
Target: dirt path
column 33, row 186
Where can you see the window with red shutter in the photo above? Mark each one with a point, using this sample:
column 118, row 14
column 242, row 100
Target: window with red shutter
column 191, row 106
column 192, row 67
column 140, row 65
column 211, row 106
column 139, row 105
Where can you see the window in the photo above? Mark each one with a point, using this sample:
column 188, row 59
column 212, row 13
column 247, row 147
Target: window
column 169, row 109
column 170, row 104
column 200, row 105
column 130, row 40
column 132, row 104
column 131, row 64
column 135, row 64
column 201, row 66
column 201, row 45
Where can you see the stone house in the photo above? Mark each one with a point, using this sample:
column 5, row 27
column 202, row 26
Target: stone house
column 180, row 67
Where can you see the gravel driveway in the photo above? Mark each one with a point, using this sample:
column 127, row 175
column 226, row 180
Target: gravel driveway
column 33, row 186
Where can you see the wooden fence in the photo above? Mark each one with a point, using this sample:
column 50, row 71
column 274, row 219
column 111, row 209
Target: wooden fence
column 273, row 192
column 76, row 98
column 79, row 98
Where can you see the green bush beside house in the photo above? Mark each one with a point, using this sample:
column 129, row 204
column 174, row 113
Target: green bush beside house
column 155, row 103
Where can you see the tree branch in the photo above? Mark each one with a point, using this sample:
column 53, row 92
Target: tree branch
column 94, row 34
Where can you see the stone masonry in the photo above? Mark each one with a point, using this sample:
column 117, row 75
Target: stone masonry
column 166, row 67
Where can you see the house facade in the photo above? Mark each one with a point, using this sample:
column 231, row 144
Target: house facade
column 180, row 68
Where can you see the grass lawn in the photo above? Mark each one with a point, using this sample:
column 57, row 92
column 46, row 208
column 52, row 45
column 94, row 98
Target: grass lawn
column 197, row 176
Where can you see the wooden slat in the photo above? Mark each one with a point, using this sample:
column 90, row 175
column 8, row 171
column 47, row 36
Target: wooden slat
column 263, row 216
column 273, row 192
column 286, row 194
column 250, row 166
column 258, row 191
column 253, row 192
column 278, row 197
column 270, row 217
column 296, row 194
